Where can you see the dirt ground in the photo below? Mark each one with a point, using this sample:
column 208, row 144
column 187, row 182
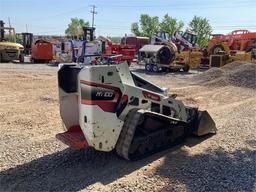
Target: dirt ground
column 31, row 159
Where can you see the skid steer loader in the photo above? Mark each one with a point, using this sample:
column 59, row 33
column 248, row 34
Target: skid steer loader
column 108, row 107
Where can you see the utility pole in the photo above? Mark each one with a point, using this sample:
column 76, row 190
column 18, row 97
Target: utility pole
column 93, row 13
column 9, row 21
column 26, row 28
column 10, row 31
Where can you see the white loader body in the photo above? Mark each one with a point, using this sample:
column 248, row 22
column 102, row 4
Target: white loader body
column 98, row 100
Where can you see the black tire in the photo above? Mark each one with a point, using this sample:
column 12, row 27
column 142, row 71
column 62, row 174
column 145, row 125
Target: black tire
column 251, row 46
column 81, row 59
column 248, row 49
column 148, row 67
column 217, row 48
column 21, row 58
column 165, row 69
column 186, row 68
column 155, row 68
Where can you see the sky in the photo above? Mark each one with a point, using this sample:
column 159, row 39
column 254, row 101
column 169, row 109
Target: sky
column 114, row 18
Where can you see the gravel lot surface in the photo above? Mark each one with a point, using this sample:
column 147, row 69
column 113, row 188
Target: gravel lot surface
column 31, row 159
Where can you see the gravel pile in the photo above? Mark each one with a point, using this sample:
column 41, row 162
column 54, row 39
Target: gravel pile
column 237, row 73
column 209, row 75
column 233, row 65
column 243, row 76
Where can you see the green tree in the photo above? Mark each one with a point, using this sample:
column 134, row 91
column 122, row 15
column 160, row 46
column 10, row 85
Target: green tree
column 148, row 26
column 75, row 28
column 170, row 24
column 202, row 28
column 135, row 29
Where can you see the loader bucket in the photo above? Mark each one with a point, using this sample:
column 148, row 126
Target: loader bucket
column 205, row 124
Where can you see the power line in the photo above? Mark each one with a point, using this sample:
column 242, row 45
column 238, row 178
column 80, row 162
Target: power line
column 64, row 13
column 180, row 6
column 9, row 21
column 174, row 6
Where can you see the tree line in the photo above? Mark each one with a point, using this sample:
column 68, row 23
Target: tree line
column 150, row 25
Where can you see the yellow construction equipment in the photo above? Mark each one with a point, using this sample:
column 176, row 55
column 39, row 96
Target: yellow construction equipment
column 9, row 49
column 218, row 60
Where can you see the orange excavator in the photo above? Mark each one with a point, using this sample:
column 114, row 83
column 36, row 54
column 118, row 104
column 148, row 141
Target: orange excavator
column 238, row 40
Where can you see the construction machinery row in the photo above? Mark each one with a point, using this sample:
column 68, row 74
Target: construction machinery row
column 15, row 46
column 158, row 53
column 180, row 52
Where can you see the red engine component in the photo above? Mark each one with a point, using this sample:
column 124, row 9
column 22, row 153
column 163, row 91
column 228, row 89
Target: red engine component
column 137, row 42
column 123, row 52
